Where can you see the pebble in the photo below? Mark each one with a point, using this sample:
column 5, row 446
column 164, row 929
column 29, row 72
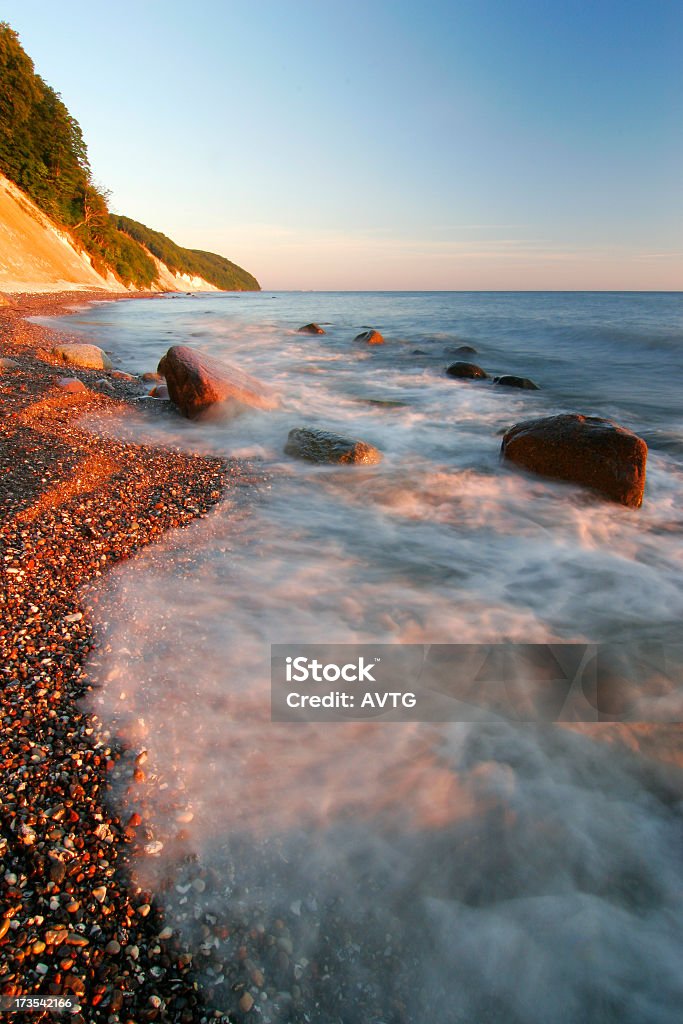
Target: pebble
column 246, row 1002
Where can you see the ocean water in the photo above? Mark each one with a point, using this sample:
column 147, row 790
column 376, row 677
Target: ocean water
column 421, row 872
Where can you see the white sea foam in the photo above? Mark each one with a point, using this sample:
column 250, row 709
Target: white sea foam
column 472, row 872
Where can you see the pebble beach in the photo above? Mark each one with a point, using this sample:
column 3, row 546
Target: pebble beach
column 73, row 924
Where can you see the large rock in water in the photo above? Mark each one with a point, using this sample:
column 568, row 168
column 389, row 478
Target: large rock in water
column 88, row 357
column 196, row 382
column 323, row 446
column 584, row 450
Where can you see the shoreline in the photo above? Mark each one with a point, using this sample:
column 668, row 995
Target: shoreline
column 75, row 503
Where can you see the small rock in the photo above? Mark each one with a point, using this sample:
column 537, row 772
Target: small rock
column 246, row 1002
column 464, row 350
column 88, row 356
column 370, row 337
column 122, row 375
column 112, row 947
column 468, row 371
column 159, row 391
column 71, row 385
column 8, row 364
column 310, row 329
column 100, row 893
column 57, row 870
column 508, row 380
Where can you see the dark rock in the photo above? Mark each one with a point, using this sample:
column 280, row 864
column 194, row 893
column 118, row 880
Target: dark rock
column 585, row 450
column 323, row 446
column 464, row 350
column 370, row 337
column 419, row 352
column 510, row 381
column 469, row 371
column 196, row 382
column 310, row 329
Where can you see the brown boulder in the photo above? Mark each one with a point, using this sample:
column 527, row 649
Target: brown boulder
column 585, row 450
column 323, row 446
column 196, row 382
column 469, row 371
column 310, row 329
column 370, row 337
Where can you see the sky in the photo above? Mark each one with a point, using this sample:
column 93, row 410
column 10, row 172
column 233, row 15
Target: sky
column 468, row 144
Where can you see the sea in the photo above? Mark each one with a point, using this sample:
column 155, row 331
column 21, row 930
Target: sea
column 383, row 872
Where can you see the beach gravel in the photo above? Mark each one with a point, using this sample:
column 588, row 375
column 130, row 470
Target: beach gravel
column 72, row 921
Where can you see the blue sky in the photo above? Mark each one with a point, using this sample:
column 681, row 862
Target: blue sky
column 480, row 144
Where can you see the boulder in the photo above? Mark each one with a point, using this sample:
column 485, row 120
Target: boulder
column 510, row 381
column 370, row 337
column 469, row 371
column 323, row 446
column 89, row 357
column 196, row 382
column 585, row 450
column 310, row 329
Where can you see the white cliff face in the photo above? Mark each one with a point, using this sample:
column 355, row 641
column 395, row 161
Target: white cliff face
column 170, row 282
column 36, row 256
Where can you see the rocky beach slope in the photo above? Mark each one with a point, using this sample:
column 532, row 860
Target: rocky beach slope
column 73, row 924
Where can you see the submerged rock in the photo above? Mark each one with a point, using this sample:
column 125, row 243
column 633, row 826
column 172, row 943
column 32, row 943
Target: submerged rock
column 508, row 380
column 310, row 329
column 469, row 371
column 464, row 350
column 324, row 446
column 370, row 337
column 89, row 357
column 585, row 450
column 196, row 382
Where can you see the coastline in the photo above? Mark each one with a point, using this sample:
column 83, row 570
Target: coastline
column 73, row 922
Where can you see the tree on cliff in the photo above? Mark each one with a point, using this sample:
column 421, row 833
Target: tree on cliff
column 43, row 151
